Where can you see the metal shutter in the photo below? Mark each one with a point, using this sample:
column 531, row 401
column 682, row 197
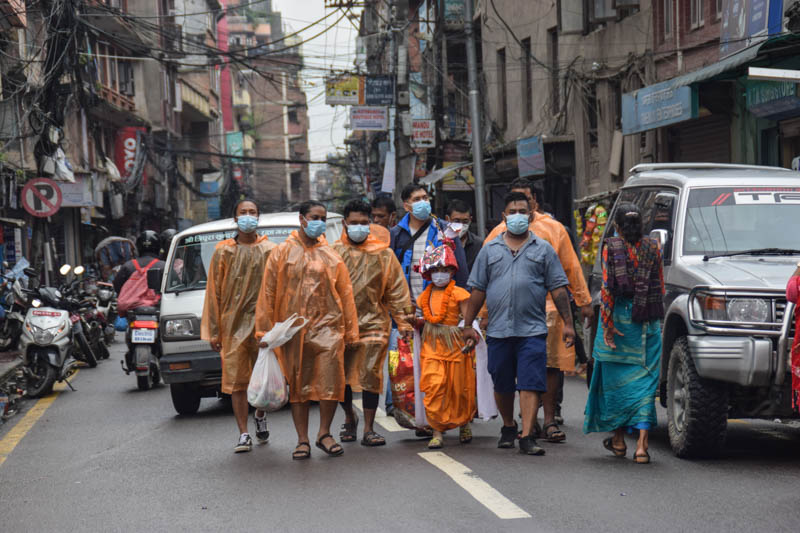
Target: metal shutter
column 705, row 140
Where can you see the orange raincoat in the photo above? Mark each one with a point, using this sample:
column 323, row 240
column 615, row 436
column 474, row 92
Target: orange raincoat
column 379, row 288
column 447, row 376
column 551, row 230
column 312, row 281
column 232, row 289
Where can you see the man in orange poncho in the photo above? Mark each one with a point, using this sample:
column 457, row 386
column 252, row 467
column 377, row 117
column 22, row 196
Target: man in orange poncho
column 304, row 275
column 379, row 288
column 232, row 289
column 559, row 358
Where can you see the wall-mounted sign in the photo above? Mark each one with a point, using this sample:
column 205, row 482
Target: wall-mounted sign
column 378, row 90
column 656, row 106
column 234, row 141
column 772, row 99
column 369, row 118
column 748, row 22
column 423, row 133
column 530, row 157
column 127, row 143
column 344, row 90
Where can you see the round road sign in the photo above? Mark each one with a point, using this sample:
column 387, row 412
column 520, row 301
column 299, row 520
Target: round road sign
column 41, row 197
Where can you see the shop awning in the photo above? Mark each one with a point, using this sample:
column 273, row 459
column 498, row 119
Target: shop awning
column 715, row 69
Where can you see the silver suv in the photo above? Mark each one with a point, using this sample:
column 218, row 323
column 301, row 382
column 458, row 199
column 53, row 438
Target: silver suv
column 730, row 236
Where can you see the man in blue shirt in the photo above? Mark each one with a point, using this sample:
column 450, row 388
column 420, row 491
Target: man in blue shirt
column 513, row 274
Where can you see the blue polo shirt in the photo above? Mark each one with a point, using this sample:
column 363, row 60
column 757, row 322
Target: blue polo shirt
column 516, row 286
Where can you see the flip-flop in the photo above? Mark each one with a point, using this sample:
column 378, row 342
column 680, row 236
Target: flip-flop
column 334, row 451
column 373, row 439
column 298, row 454
column 608, row 445
column 641, row 459
column 435, row 443
column 465, row 435
column 349, row 432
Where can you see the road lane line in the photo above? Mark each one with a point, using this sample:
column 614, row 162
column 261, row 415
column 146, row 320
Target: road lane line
column 18, row 432
column 487, row 495
column 386, row 422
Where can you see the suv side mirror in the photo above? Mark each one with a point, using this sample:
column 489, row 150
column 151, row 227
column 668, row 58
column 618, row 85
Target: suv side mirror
column 660, row 235
column 154, row 276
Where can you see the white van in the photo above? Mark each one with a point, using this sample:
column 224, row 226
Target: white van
column 188, row 365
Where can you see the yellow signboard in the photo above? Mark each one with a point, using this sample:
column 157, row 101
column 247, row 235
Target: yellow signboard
column 344, row 90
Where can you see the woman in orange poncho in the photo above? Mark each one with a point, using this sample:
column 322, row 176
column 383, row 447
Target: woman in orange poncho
column 234, row 279
column 305, row 275
column 379, row 288
column 447, row 374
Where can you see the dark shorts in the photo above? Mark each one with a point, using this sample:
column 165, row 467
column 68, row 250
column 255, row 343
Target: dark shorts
column 518, row 363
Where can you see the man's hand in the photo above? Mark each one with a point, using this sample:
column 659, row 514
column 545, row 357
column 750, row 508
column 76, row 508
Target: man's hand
column 484, row 323
column 469, row 335
column 216, row 346
column 568, row 335
column 608, row 336
column 587, row 312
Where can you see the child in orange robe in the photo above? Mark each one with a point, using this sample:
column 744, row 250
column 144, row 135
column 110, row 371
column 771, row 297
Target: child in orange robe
column 447, row 374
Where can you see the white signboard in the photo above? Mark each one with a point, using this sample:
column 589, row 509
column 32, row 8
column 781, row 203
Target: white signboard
column 369, row 118
column 423, row 133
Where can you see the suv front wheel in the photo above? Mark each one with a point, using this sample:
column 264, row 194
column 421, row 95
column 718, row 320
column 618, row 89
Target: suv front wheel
column 697, row 408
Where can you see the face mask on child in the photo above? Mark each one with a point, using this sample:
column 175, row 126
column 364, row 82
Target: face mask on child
column 440, row 279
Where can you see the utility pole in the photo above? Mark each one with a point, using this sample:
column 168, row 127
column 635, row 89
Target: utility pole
column 475, row 118
column 402, row 121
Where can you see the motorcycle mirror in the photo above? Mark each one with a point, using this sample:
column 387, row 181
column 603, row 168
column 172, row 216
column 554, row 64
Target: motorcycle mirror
column 30, row 272
column 79, row 270
column 64, row 270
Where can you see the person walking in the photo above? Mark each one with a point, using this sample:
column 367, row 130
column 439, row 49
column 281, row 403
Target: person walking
column 304, row 275
column 447, row 373
column 384, row 212
column 378, row 290
column 513, row 274
column 228, row 323
column 627, row 349
column 460, row 213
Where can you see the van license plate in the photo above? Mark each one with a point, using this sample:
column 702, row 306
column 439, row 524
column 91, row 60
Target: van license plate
column 141, row 336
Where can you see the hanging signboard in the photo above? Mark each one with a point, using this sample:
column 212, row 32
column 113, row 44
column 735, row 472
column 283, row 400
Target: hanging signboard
column 773, row 99
column 234, row 141
column 344, row 90
column 748, row 22
column 126, row 146
column 423, row 133
column 41, row 197
column 656, row 106
column 454, row 11
column 457, row 180
column 530, row 157
column 378, row 90
column 78, row 194
column 369, row 118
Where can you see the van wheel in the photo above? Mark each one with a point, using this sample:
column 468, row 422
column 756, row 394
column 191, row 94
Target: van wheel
column 697, row 408
column 185, row 399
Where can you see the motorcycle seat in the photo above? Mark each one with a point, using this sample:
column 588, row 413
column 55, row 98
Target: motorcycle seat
column 146, row 311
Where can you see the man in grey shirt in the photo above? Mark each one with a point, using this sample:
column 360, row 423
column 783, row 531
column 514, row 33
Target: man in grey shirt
column 513, row 275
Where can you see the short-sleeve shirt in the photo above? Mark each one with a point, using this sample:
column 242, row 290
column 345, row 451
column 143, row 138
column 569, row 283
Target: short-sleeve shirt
column 516, row 285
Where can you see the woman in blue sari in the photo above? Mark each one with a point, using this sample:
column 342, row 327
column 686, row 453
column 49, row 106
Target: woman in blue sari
column 627, row 349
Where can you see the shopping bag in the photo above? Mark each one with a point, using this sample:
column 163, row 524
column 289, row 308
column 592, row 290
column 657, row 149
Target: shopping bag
column 401, row 379
column 267, row 389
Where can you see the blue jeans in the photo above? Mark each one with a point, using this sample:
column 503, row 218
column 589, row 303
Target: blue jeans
column 392, row 346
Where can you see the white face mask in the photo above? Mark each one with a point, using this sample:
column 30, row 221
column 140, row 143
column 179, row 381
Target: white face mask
column 440, row 279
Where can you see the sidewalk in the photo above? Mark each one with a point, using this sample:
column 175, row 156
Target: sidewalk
column 9, row 362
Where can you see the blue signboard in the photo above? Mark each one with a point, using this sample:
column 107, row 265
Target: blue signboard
column 656, row 106
column 748, row 22
column 212, row 204
column 530, row 157
column 773, row 99
column 379, row 90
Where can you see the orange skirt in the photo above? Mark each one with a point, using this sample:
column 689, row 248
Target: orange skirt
column 449, row 388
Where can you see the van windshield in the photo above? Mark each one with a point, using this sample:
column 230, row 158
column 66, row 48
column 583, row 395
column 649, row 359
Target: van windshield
column 189, row 266
column 723, row 220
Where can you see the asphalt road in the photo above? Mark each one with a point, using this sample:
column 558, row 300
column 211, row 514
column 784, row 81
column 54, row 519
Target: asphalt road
column 111, row 458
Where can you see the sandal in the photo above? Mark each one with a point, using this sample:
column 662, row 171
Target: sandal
column 373, row 439
column 334, row 451
column 435, row 443
column 349, row 432
column 556, row 435
column 424, row 432
column 465, row 434
column 299, row 454
column 641, row 459
column 618, row 452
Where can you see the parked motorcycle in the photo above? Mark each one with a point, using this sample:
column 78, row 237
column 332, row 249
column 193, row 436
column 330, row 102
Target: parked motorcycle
column 15, row 304
column 144, row 347
column 106, row 310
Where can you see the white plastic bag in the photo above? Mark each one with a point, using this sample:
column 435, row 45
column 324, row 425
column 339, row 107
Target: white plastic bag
column 268, row 389
column 487, row 408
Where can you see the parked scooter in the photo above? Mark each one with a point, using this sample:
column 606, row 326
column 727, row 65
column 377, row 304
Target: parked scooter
column 15, row 304
column 106, row 309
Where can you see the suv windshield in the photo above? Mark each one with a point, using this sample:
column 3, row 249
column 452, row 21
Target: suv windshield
column 193, row 255
column 724, row 220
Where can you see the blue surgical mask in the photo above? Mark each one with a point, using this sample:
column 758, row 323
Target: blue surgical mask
column 357, row 232
column 247, row 223
column 315, row 228
column 421, row 209
column 517, row 223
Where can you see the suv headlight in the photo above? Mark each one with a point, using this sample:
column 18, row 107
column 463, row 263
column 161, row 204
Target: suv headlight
column 748, row 310
column 179, row 327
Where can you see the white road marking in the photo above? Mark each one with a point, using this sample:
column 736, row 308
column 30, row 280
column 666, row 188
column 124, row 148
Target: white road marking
column 488, row 496
column 386, row 422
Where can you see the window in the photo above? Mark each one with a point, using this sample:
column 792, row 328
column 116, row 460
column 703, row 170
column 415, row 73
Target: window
column 502, row 104
column 297, row 182
column 718, row 9
column 527, row 92
column 555, row 90
column 669, row 9
column 293, row 115
column 591, row 114
column 696, row 13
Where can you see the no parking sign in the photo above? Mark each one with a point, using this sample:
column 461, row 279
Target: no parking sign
column 41, row 197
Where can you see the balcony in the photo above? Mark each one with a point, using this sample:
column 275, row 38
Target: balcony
column 241, row 101
column 197, row 106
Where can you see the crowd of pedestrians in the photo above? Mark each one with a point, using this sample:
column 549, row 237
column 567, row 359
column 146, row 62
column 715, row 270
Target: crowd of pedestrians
column 431, row 278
